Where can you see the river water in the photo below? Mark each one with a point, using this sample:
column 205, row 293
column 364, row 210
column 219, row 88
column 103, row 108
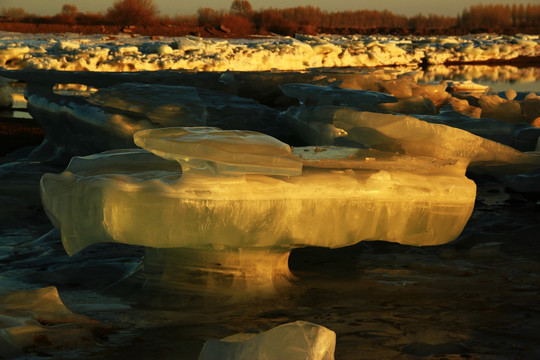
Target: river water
column 475, row 298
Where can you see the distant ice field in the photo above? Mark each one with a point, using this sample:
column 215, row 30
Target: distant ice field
column 74, row 52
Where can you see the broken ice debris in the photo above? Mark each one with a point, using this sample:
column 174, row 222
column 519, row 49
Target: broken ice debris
column 299, row 340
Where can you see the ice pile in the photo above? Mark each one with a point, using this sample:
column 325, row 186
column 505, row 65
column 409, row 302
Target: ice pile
column 243, row 200
column 73, row 52
column 299, row 340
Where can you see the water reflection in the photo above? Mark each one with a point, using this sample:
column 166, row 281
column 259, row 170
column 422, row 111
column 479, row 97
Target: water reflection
column 498, row 78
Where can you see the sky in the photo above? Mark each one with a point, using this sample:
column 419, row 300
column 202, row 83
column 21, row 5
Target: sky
column 173, row 7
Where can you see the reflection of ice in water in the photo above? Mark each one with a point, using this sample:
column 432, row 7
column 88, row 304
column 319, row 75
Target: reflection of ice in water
column 498, row 78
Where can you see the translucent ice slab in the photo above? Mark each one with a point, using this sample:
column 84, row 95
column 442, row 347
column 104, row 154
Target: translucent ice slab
column 315, row 95
column 406, row 135
column 299, row 340
column 216, row 151
column 341, row 197
column 39, row 319
column 143, row 201
column 166, row 105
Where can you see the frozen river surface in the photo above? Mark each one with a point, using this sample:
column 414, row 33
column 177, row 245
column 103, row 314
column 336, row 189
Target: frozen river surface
column 474, row 297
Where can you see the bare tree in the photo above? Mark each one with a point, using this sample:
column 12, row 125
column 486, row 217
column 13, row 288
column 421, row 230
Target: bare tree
column 133, row 12
column 69, row 10
column 241, row 8
column 14, row 13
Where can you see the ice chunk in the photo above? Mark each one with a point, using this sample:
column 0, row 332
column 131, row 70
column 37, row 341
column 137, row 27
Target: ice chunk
column 325, row 206
column 74, row 126
column 526, row 137
column 77, row 128
column 530, row 108
column 467, row 86
column 299, row 340
column 167, row 105
column 435, row 92
column 462, row 106
column 510, row 94
column 161, row 104
column 517, row 135
column 409, row 135
column 216, row 151
column 335, row 157
column 494, row 107
column 401, row 88
column 411, row 105
column 314, row 95
column 39, row 319
column 6, row 97
column 322, row 207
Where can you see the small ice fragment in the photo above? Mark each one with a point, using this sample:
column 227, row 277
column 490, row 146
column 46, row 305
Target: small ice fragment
column 299, row 340
column 315, row 95
column 530, row 109
column 6, row 98
column 412, row 105
column 467, row 86
column 495, row 107
column 463, row 107
column 510, row 94
column 435, row 92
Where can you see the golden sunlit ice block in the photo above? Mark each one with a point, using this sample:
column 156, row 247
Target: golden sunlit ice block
column 240, row 215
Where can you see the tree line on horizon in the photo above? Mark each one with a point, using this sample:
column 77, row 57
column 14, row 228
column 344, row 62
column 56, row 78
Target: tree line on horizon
column 240, row 18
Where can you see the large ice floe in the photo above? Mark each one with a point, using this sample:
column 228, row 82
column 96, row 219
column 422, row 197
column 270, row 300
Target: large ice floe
column 232, row 204
column 220, row 210
column 74, row 52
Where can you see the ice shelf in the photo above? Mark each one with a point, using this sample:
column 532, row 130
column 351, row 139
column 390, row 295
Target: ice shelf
column 299, row 340
column 341, row 196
